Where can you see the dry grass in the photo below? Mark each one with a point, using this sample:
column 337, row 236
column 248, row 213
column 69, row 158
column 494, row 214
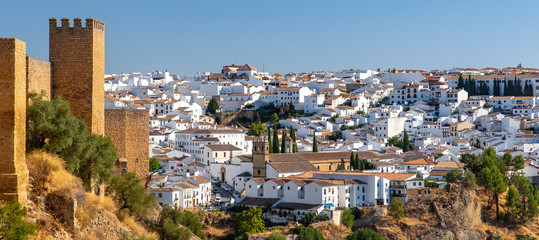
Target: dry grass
column 48, row 175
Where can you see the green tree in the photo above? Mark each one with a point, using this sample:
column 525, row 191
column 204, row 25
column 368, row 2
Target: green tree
column 276, row 148
column 249, row 222
column 364, row 234
column 518, row 162
column 507, row 159
column 274, row 117
column 518, row 87
column 169, row 230
column 293, row 137
column 352, row 161
column 393, row 141
column 12, row 224
column 532, row 205
column 333, row 118
column 469, row 178
column 170, row 219
column 512, row 203
column 496, row 90
column 154, row 164
column 51, row 127
column 405, row 142
column 505, row 87
column 396, row 208
column 213, row 105
column 99, row 159
column 472, row 161
column 460, row 83
column 494, row 181
column 276, row 236
column 347, row 217
column 283, row 141
column 270, row 144
column 315, row 144
column 131, row 195
column 452, row 176
column 307, row 219
column 309, row 233
column 256, row 129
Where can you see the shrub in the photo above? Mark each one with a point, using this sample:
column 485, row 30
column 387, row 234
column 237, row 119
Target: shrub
column 364, row 234
column 347, row 217
column 276, row 236
column 309, row 233
column 130, row 194
column 186, row 218
column 396, row 208
column 12, row 224
column 249, row 222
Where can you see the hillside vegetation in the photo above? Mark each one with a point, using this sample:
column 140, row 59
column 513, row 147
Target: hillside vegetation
column 54, row 193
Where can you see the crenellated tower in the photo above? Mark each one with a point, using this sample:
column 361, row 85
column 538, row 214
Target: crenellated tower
column 77, row 57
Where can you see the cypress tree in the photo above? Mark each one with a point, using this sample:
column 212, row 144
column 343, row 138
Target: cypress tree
column 496, row 90
column 357, row 162
column 474, row 87
column 505, row 87
column 315, row 144
column 293, row 137
column 518, row 87
column 460, row 84
column 269, row 141
column 276, row 148
column 352, row 163
column 528, row 89
column 283, row 142
column 405, row 142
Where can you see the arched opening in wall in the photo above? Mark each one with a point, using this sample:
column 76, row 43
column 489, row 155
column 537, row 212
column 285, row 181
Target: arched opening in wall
column 258, row 172
column 223, row 174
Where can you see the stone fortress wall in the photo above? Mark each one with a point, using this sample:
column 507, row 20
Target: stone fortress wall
column 38, row 77
column 76, row 72
column 77, row 56
column 13, row 170
column 130, row 133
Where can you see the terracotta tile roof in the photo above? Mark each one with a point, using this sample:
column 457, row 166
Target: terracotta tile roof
column 449, row 164
column 420, row 161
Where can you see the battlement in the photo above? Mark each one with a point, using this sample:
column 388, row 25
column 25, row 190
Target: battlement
column 91, row 24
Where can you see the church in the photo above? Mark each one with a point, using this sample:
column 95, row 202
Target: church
column 262, row 164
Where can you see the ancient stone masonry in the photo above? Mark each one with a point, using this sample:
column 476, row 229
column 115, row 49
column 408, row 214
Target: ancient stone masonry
column 38, row 76
column 13, row 170
column 77, row 56
column 130, row 133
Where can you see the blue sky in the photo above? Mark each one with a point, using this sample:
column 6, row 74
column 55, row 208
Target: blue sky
column 292, row 36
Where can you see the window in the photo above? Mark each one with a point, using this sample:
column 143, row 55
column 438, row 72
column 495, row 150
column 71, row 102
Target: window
column 160, row 195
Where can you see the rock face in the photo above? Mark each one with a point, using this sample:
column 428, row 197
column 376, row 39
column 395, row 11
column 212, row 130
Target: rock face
column 449, row 213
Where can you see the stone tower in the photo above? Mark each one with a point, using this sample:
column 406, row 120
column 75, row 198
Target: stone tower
column 130, row 133
column 260, row 157
column 77, row 57
column 13, row 170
